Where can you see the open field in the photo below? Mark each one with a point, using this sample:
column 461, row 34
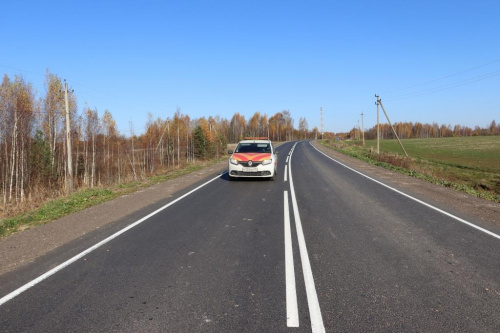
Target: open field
column 482, row 152
column 471, row 164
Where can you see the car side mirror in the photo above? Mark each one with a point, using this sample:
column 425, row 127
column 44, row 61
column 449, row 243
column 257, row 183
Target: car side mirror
column 229, row 152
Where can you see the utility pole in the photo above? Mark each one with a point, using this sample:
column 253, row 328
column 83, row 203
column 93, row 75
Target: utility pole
column 68, row 140
column 321, row 127
column 379, row 101
column 362, row 128
column 378, row 126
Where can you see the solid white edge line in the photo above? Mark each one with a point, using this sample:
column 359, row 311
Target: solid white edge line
column 412, row 198
column 292, row 310
column 317, row 325
column 44, row 276
column 286, row 173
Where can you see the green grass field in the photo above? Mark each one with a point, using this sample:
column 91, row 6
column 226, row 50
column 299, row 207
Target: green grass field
column 471, row 164
column 481, row 152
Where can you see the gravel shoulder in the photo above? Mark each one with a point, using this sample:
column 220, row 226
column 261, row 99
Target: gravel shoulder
column 25, row 247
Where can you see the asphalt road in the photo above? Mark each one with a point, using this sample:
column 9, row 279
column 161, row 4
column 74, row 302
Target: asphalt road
column 322, row 248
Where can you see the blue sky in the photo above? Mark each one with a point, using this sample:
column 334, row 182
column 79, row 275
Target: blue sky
column 430, row 61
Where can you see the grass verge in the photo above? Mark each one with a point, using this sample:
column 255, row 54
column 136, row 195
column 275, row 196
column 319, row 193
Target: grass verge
column 476, row 181
column 86, row 198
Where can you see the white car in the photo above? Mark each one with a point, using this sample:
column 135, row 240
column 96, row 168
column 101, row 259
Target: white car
column 253, row 157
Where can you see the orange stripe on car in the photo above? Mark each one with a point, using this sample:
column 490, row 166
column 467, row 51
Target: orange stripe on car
column 256, row 157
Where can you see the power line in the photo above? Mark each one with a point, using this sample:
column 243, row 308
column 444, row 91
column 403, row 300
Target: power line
column 21, row 70
column 446, row 86
column 78, row 83
column 444, row 77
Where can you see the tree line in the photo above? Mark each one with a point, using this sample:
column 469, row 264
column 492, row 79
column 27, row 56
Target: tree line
column 417, row 130
column 33, row 150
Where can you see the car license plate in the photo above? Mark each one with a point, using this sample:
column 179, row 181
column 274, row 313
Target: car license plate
column 250, row 169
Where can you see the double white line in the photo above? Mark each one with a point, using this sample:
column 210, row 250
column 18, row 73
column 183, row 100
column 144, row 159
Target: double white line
column 292, row 312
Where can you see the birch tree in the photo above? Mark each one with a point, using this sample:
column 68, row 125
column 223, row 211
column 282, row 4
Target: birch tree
column 53, row 106
column 109, row 137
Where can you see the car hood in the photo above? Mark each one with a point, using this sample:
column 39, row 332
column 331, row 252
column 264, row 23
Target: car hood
column 256, row 157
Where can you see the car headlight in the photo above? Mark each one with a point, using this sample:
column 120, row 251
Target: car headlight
column 266, row 162
column 233, row 161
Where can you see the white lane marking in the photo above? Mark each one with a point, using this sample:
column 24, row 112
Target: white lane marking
column 287, row 158
column 312, row 297
column 286, row 173
column 292, row 310
column 42, row 277
column 415, row 199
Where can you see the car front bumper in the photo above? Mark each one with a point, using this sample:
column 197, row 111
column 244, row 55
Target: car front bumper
column 258, row 171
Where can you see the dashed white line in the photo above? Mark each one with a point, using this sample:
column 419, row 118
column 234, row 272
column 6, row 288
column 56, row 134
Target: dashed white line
column 292, row 311
column 286, row 173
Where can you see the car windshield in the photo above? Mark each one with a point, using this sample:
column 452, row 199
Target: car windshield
column 253, row 148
